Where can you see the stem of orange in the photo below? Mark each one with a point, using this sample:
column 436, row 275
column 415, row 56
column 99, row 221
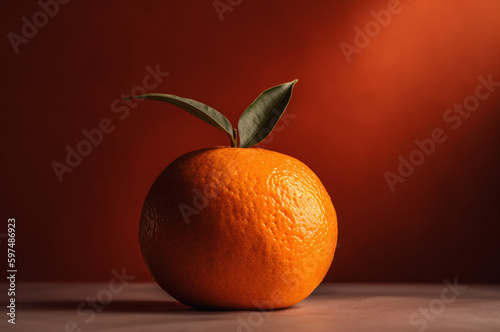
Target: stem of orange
column 234, row 140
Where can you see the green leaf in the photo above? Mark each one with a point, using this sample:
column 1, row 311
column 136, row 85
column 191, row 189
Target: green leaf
column 201, row 111
column 260, row 118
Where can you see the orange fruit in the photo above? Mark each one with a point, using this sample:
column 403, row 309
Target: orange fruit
column 238, row 229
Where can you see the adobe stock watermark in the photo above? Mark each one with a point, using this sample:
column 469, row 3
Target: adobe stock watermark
column 202, row 197
column 223, row 6
column 30, row 27
column 92, row 305
column 363, row 37
column 291, row 281
column 94, row 137
column 453, row 117
column 421, row 318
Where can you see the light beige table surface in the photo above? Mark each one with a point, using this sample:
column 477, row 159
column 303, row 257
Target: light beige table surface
column 332, row 307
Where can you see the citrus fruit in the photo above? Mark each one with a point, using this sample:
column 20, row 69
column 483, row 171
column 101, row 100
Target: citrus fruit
column 238, row 227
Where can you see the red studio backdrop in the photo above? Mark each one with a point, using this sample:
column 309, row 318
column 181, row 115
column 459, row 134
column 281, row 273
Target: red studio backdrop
column 396, row 110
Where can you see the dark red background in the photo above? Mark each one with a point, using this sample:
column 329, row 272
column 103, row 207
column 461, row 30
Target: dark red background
column 352, row 122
